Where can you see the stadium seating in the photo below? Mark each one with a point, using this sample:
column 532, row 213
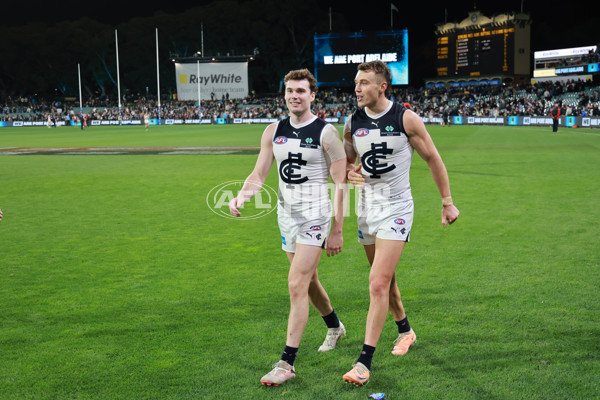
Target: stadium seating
column 534, row 100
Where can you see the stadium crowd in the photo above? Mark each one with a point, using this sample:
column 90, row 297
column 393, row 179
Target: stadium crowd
column 576, row 98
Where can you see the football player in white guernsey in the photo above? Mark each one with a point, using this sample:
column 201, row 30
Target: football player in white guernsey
column 307, row 151
column 383, row 135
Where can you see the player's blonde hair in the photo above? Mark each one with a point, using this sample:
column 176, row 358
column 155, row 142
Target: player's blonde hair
column 381, row 70
column 300, row 75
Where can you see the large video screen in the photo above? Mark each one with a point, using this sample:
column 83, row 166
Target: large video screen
column 475, row 53
column 338, row 54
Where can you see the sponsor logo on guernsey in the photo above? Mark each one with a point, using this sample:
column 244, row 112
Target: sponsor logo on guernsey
column 361, row 132
column 308, row 144
column 280, row 140
column 315, row 228
column 399, row 221
column 390, row 131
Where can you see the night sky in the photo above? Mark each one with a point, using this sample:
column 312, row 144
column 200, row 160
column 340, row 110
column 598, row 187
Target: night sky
column 555, row 24
column 420, row 17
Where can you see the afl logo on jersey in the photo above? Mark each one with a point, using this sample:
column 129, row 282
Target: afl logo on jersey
column 361, row 132
column 315, row 228
column 280, row 140
column 399, row 221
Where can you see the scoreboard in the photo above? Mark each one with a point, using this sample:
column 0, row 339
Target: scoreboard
column 475, row 52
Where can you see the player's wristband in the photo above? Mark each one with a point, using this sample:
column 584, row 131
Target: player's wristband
column 447, row 201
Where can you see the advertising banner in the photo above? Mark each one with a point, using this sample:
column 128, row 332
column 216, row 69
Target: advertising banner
column 215, row 80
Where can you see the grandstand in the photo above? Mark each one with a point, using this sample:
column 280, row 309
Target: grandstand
column 578, row 98
column 566, row 64
column 483, row 72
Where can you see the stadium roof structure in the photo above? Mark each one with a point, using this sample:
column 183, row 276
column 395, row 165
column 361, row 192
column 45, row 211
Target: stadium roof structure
column 477, row 20
column 211, row 59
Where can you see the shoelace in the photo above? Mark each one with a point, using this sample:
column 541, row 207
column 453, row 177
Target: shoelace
column 399, row 339
column 331, row 335
column 360, row 369
column 277, row 370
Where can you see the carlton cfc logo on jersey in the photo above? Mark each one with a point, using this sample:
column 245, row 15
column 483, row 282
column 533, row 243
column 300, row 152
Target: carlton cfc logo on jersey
column 399, row 221
column 361, row 132
column 280, row 140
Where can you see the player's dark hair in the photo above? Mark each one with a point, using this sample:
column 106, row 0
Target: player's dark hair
column 300, row 75
column 380, row 68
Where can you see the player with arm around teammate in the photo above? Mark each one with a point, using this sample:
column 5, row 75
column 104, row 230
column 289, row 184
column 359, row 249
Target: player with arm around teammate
column 307, row 151
column 379, row 139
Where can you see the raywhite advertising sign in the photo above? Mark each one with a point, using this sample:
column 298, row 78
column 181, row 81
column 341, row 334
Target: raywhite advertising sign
column 215, row 80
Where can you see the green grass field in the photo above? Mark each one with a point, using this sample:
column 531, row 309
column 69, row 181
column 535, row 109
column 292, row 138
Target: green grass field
column 118, row 282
